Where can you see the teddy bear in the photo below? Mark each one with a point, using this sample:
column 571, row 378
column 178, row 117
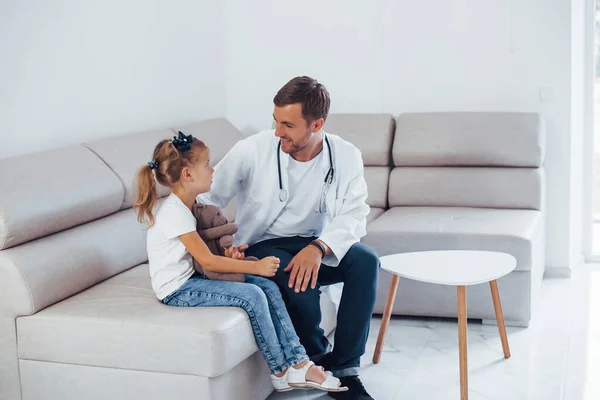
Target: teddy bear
column 217, row 233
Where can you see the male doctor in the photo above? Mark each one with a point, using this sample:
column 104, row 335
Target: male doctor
column 301, row 197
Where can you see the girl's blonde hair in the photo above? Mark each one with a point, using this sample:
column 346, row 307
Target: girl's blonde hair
column 169, row 159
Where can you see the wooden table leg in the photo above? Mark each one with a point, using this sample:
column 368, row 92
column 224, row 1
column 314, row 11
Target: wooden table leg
column 462, row 342
column 500, row 318
column 387, row 313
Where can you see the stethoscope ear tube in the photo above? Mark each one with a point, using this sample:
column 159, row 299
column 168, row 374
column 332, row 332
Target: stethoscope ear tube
column 279, row 170
column 283, row 194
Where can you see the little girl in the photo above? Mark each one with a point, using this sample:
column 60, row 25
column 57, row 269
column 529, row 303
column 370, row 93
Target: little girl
column 182, row 164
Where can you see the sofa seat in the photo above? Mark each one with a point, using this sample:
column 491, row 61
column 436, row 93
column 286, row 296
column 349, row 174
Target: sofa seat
column 410, row 229
column 119, row 323
column 374, row 213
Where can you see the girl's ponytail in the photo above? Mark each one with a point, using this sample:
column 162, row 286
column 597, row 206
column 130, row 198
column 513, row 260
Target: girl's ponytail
column 146, row 195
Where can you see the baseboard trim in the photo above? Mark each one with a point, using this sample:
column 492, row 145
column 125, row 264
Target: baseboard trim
column 518, row 324
column 563, row 271
column 557, row 272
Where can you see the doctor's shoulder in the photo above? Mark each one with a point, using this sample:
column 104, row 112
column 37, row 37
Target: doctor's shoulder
column 247, row 148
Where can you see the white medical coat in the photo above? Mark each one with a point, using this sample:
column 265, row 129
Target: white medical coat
column 249, row 171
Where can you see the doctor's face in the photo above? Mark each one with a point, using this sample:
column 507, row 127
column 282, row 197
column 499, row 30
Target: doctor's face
column 294, row 132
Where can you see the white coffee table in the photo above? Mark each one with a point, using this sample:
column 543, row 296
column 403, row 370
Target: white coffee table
column 459, row 268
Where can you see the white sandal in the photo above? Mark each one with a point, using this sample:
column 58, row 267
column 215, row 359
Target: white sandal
column 280, row 383
column 297, row 379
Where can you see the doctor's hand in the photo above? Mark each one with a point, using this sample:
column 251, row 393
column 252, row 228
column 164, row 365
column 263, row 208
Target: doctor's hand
column 305, row 269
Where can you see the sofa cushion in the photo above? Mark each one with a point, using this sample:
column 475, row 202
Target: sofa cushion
column 50, row 191
column 377, row 179
column 374, row 213
column 511, row 139
column 467, row 187
column 42, row 272
column 409, row 229
column 120, row 323
column 125, row 154
column 372, row 134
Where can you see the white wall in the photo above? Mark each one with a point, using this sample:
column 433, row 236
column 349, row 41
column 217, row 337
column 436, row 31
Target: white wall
column 403, row 55
column 579, row 50
column 74, row 70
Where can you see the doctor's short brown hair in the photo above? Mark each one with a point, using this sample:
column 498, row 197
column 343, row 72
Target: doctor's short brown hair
column 312, row 95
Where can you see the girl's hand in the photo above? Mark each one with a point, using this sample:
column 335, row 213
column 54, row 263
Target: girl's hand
column 268, row 266
column 236, row 253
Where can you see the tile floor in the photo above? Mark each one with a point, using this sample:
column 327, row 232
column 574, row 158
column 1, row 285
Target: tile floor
column 557, row 357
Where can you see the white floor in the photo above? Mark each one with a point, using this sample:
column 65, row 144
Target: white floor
column 555, row 358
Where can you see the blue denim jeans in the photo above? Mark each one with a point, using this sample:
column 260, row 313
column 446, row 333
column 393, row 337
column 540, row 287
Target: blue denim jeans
column 359, row 271
column 261, row 299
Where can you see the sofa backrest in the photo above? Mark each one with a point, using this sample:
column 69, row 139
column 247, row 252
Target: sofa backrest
column 66, row 222
column 469, row 159
column 126, row 153
column 373, row 135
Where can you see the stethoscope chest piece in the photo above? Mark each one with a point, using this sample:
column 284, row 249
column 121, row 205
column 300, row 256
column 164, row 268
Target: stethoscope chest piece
column 283, row 195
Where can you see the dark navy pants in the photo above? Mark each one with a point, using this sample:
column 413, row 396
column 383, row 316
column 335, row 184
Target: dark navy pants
column 358, row 270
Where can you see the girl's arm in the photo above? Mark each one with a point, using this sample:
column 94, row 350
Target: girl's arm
column 200, row 251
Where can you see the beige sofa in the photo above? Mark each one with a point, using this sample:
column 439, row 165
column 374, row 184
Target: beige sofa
column 467, row 181
column 79, row 320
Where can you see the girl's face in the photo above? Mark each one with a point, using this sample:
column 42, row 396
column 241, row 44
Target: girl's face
column 201, row 174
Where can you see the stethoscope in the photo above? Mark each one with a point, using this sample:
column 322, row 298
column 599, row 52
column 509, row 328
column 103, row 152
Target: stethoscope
column 283, row 194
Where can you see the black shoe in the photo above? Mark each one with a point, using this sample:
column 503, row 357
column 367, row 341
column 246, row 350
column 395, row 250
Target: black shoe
column 356, row 390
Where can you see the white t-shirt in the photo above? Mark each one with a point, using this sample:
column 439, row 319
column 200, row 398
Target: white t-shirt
column 170, row 263
column 298, row 217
